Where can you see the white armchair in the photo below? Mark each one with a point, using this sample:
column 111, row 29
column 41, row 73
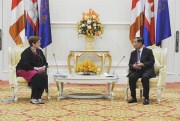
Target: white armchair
column 14, row 81
column 158, row 82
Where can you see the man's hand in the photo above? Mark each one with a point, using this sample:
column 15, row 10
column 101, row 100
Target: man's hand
column 135, row 66
column 138, row 65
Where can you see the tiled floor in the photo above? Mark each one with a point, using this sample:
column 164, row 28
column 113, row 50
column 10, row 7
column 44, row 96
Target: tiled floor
column 173, row 85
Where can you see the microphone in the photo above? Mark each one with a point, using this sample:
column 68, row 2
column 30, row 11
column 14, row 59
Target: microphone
column 118, row 64
column 57, row 73
column 112, row 75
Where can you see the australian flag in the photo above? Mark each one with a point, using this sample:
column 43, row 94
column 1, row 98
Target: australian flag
column 44, row 24
column 163, row 28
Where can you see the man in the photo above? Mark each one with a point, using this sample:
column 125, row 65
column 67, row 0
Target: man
column 141, row 65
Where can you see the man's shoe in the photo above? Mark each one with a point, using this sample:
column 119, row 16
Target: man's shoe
column 40, row 101
column 146, row 102
column 132, row 100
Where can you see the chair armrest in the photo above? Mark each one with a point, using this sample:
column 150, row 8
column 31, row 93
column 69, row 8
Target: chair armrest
column 162, row 78
column 12, row 76
column 12, row 67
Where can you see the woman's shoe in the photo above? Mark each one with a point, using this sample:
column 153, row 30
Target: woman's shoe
column 34, row 101
column 40, row 101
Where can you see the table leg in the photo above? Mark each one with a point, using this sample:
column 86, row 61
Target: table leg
column 69, row 62
column 110, row 62
column 110, row 91
column 76, row 56
column 61, row 95
column 57, row 84
column 113, row 84
column 102, row 61
column 62, row 86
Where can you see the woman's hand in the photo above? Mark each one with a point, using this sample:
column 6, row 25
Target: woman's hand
column 43, row 68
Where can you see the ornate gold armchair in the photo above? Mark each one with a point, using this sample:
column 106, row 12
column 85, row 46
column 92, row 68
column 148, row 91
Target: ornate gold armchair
column 14, row 81
column 158, row 82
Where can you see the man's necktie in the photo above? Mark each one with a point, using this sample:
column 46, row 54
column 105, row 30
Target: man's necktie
column 138, row 56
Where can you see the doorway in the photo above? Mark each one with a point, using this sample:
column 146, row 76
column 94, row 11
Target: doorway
column 177, row 45
column 1, row 23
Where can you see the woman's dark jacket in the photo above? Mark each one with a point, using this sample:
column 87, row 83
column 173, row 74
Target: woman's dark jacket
column 29, row 60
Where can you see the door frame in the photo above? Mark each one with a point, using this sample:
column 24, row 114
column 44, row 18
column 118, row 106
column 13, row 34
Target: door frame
column 173, row 70
column 1, row 23
column 177, row 28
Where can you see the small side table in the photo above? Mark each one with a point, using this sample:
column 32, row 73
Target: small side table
column 101, row 53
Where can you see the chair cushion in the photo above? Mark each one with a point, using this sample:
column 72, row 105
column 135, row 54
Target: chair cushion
column 152, row 81
column 157, row 55
column 21, row 81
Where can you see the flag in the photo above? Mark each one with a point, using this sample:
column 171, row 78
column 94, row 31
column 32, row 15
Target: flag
column 136, row 27
column 17, row 25
column 149, row 24
column 163, row 28
column 32, row 18
column 45, row 24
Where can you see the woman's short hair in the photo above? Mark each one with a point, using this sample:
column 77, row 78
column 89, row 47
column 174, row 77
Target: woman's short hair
column 140, row 39
column 33, row 39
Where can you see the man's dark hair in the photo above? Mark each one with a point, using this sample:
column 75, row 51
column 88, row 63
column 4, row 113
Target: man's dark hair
column 140, row 39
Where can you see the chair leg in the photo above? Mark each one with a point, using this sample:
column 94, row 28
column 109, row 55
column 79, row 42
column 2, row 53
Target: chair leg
column 48, row 94
column 159, row 95
column 126, row 93
column 140, row 93
column 15, row 91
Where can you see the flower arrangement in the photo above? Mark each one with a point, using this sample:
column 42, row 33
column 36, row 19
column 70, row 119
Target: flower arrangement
column 90, row 25
column 86, row 66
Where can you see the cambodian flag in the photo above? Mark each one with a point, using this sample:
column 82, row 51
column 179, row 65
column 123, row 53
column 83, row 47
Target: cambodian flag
column 163, row 28
column 137, row 19
column 18, row 22
column 44, row 24
column 149, row 24
column 32, row 18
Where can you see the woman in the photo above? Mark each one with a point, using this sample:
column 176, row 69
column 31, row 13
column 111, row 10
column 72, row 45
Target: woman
column 32, row 66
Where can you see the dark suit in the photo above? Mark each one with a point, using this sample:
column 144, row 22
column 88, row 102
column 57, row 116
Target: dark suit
column 146, row 72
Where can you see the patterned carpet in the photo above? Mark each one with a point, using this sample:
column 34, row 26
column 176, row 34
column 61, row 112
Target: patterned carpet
column 89, row 109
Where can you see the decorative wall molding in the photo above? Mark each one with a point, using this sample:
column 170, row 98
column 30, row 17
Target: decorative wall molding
column 5, row 37
column 73, row 24
column 105, row 23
